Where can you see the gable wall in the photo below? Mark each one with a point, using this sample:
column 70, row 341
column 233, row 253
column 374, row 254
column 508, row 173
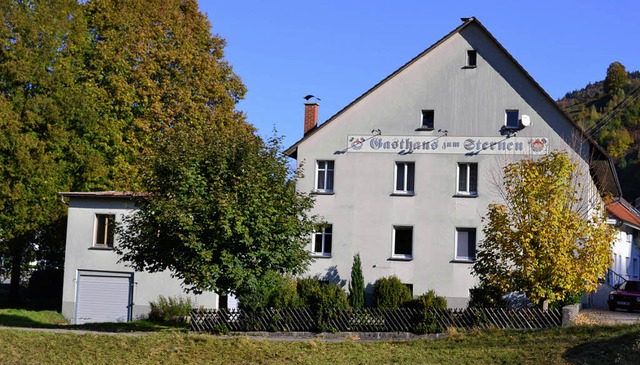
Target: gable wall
column 467, row 102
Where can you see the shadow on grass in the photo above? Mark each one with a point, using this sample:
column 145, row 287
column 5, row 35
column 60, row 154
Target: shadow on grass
column 623, row 349
column 15, row 320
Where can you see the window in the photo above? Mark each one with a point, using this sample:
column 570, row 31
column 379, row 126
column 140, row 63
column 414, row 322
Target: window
column 410, row 287
column 322, row 241
column 635, row 267
column 405, row 173
column 512, row 119
column 324, row 176
column 472, row 57
column 104, row 228
column 468, row 179
column 402, row 242
column 427, row 119
column 465, row 244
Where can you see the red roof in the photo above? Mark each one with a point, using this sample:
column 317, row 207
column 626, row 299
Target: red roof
column 622, row 210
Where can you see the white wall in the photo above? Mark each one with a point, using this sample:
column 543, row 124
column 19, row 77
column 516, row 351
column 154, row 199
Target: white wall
column 80, row 255
column 467, row 102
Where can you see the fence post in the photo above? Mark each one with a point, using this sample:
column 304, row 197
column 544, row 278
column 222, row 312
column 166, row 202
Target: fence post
column 569, row 313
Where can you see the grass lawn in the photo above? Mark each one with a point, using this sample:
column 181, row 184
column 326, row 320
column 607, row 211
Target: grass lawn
column 575, row 345
column 55, row 320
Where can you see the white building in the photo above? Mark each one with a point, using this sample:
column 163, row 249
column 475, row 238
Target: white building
column 403, row 175
column 98, row 288
column 625, row 252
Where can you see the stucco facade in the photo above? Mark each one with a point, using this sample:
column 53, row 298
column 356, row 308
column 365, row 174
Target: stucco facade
column 468, row 102
column 87, row 257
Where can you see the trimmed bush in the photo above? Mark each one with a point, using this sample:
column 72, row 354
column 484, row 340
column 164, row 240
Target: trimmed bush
column 170, row 309
column 273, row 291
column 486, row 296
column 323, row 299
column 428, row 320
column 428, row 300
column 390, row 293
column 316, row 294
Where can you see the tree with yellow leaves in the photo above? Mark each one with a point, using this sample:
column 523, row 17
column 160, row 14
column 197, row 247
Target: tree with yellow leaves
column 549, row 239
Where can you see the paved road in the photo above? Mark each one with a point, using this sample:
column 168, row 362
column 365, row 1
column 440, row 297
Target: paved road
column 603, row 316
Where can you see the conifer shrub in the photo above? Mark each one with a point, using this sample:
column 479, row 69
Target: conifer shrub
column 356, row 285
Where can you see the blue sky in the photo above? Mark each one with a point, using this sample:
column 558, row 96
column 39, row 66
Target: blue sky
column 337, row 50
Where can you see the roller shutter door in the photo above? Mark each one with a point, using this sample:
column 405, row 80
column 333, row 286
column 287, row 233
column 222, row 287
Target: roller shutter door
column 103, row 297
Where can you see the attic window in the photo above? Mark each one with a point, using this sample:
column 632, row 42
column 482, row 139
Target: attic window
column 427, row 119
column 472, row 58
column 512, row 119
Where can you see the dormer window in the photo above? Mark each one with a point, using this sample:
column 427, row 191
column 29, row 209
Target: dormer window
column 472, row 58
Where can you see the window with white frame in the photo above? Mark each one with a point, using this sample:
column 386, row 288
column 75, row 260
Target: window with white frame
column 512, row 119
column 468, row 179
column 324, row 176
column 402, row 242
column 465, row 244
column 104, row 228
column 322, row 240
column 405, row 174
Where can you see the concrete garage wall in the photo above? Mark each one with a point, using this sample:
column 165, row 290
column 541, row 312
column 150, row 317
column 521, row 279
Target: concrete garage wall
column 81, row 256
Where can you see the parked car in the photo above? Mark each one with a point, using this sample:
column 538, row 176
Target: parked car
column 627, row 295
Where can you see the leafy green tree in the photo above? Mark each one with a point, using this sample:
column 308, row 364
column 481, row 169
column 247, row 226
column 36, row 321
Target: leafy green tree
column 221, row 211
column 356, row 285
column 549, row 239
column 42, row 101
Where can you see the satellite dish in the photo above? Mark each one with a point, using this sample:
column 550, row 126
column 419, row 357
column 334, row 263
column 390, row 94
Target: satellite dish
column 525, row 120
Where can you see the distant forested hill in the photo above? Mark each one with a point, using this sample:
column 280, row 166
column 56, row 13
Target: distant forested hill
column 609, row 111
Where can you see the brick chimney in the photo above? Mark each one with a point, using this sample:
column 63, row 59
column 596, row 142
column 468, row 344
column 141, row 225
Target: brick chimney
column 310, row 116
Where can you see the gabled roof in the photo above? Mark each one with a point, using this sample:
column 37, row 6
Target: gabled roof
column 625, row 212
column 605, row 165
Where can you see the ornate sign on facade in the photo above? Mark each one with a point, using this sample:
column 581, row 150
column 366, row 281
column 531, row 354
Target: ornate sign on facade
column 449, row 145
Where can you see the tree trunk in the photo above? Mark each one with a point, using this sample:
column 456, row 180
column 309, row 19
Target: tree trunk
column 17, row 253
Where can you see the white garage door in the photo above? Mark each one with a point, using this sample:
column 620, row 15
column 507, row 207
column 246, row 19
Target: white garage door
column 103, row 297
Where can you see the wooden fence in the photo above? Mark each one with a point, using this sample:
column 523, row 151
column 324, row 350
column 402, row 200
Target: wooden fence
column 371, row 320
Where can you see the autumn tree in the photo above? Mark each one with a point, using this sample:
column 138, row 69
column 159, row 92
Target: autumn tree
column 356, row 285
column 617, row 79
column 43, row 100
column 157, row 66
column 549, row 239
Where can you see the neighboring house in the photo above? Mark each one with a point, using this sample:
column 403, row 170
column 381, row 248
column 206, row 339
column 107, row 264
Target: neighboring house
column 404, row 174
column 625, row 252
column 98, row 288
